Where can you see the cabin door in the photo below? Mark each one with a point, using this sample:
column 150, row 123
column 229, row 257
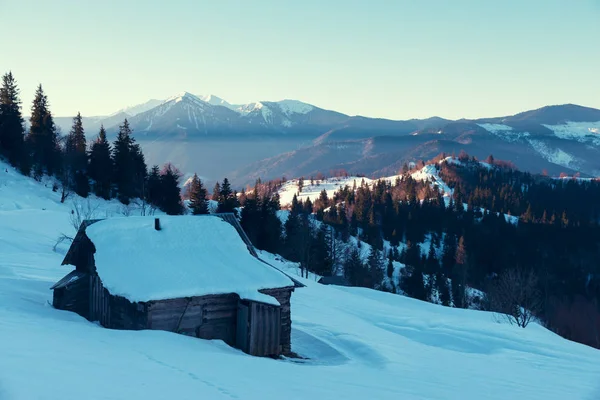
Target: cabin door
column 99, row 302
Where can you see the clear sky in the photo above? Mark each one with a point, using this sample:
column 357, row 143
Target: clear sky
column 392, row 59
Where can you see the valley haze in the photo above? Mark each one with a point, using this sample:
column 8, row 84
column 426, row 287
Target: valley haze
column 289, row 138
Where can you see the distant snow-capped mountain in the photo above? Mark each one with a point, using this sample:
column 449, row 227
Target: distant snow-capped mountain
column 269, row 139
column 139, row 108
column 189, row 115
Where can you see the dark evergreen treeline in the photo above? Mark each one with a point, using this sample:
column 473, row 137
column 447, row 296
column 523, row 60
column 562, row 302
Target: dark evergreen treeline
column 450, row 244
column 534, row 198
column 116, row 170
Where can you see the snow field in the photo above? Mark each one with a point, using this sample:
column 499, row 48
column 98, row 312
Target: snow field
column 359, row 343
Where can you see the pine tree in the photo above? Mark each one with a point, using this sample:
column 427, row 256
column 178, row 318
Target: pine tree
column 11, row 124
column 343, row 225
column 459, row 276
column 101, row 167
column 432, row 267
column 153, row 189
column 449, row 253
column 43, row 138
column 198, row 203
column 216, row 192
column 375, row 267
column 412, row 283
column 296, row 207
column 442, row 289
column 322, row 261
column 354, row 268
column 390, row 265
column 126, row 159
column 228, row 201
column 251, row 219
column 170, row 191
column 308, row 207
column 75, row 174
column 269, row 238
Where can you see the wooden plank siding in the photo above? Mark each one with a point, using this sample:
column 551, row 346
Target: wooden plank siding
column 265, row 330
column 284, row 295
column 99, row 301
column 73, row 297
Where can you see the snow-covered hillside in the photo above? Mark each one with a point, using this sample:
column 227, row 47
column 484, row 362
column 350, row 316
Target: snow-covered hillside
column 357, row 343
column 312, row 191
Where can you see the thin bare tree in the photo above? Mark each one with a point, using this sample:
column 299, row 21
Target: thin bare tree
column 515, row 296
column 80, row 211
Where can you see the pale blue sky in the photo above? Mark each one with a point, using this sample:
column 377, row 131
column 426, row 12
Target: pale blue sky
column 393, row 59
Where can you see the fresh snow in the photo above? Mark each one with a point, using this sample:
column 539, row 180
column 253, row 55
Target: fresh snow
column 357, row 343
column 215, row 101
column 189, row 256
column 294, row 107
column 504, row 132
column 139, row 108
column 430, row 173
column 312, row 192
column 554, row 155
column 579, row 131
column 332, row 185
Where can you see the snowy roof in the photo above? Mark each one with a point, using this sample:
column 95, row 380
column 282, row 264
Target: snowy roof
column 188, row 256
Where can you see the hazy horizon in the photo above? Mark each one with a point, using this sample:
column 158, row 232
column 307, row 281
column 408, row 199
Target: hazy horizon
column 385, row 59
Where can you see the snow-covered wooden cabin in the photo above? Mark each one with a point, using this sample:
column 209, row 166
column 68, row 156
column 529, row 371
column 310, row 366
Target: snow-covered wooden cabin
column 194, row 275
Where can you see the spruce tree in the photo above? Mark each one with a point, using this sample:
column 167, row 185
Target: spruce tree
column 449, row 252
column 170, row 192
column 412, row 283
column 11, row 124
column 74, row 173
column 228, row 201
column 101, row 167
column 343, row 225
column 442, row 288
column 129, row 165
column 322, row 262
column 375, row 267
column 216, row 192
column 153, row 189
column 198, row 203
column 296, row 207
column 251, row 219
column 390, row 265
column 43, row 138
column 459, row 276
column 354, row 268
column 269, row 238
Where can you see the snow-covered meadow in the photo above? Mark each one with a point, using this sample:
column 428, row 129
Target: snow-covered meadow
column 358, row 343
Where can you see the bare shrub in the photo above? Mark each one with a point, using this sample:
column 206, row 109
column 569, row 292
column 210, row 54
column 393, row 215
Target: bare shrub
column 515, row 296
column 80, row 211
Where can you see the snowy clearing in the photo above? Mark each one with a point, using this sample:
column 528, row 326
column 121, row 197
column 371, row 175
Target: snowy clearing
column 580, row 131
column 360, row 344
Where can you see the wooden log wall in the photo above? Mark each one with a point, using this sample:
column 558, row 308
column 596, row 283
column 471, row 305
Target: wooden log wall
column 206, row 317
column 74, row 297
column 127, row 315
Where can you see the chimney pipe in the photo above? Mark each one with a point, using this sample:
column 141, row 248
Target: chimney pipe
column 157, row 224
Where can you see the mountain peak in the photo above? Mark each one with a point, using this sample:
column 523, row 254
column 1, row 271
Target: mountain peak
column 215, row 100
column 180, row 96
column 294, row 107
